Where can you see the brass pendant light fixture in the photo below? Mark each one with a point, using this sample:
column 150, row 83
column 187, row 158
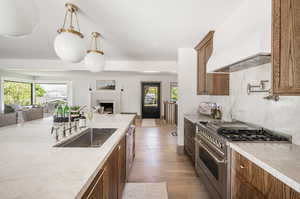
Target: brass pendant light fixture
column 94, row 60
column 71, row 13
column 69, row 44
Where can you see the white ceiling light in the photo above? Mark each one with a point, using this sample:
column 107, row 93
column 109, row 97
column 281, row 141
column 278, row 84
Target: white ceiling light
column 151, row 71
column 94, row 60
column 17, row 17
column 69, row 44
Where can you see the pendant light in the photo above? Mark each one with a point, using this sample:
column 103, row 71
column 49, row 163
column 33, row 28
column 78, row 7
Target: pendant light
column 69, row 44
column 94, row 60
column 17, row 17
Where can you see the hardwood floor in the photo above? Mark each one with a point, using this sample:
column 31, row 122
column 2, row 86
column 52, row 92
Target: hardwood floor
column 157, row 161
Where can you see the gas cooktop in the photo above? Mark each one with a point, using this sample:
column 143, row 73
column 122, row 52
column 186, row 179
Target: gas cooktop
column 235, row 134
column 239, row 132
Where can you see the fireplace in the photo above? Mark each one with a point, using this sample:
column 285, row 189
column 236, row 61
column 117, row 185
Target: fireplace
column 108, row 107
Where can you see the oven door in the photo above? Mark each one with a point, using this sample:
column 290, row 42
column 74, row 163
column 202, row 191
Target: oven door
column 213, row 166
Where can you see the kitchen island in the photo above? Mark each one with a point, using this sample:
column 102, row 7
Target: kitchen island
column 32, row 168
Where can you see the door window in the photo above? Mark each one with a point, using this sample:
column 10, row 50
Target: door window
column 151, row 96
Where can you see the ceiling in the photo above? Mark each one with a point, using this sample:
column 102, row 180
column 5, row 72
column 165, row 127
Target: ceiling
column 132, row 29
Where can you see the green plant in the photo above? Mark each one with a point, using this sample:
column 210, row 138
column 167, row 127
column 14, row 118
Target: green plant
column 17, row 93
column 75, row 108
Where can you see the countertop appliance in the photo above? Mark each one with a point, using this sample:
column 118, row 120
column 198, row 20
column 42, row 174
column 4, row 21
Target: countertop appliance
column 213, row 153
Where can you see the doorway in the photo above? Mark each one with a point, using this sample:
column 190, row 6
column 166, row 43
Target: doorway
column 151, row 100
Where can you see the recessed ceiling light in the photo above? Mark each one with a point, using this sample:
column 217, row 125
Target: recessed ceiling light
column 151, row 71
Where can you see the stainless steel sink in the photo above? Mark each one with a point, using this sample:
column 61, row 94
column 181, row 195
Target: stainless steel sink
column 92, row 137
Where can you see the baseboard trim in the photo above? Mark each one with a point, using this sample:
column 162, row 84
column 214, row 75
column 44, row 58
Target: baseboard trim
column 180, row 149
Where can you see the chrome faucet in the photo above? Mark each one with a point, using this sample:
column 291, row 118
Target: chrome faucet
column 65, row 126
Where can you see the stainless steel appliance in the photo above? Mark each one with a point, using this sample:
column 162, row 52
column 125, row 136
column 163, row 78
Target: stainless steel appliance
column 213, row 154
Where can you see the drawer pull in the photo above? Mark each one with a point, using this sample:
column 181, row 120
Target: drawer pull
column 242, row 166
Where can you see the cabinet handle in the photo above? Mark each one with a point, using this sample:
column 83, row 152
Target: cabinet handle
column 119, row 148
column 95, row 185
column 242, row 166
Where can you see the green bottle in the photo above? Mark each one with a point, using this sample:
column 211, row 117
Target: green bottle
column 66, row 111
column 59, row 111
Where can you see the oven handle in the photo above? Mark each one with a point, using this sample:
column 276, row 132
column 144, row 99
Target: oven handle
column 210, row 153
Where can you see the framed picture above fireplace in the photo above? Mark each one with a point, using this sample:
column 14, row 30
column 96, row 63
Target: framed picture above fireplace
column 109, row 85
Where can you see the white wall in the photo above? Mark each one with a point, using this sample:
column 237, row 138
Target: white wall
column 188, row 99
column 281, row 116
column 131, row 97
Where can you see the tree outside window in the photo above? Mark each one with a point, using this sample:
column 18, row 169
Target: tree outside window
column 17, row 93
column 173, row 92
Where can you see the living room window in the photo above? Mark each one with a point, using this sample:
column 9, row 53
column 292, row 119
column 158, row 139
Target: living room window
column 50, row 93
column 173, row 91
column 18, row 93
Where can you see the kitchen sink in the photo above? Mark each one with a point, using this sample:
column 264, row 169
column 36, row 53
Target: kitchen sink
column 92, row 137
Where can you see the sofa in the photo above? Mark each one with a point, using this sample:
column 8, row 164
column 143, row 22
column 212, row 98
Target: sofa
column 8, row 119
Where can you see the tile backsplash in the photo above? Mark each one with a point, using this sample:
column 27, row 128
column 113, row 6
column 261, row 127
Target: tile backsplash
column 282, row 116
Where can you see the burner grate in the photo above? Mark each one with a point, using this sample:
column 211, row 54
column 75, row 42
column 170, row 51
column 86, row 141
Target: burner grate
column 249, row 135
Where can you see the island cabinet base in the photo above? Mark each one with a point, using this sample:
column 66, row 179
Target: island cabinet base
column 249, row 181
column 109, row 183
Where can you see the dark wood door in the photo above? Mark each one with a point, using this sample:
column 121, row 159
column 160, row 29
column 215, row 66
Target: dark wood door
column 286, row 47
column 151, row 102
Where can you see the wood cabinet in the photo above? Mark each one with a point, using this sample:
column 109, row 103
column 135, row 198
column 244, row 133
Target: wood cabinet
column 286, row 47
column 209, row 83
column 217, row 83
column 189, row 138
column 98, row 188
column 109, row 183
column 249, row 181
column 121, row 167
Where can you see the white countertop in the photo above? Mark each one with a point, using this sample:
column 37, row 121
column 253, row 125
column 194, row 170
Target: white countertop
column 280, row 160
column 30, row 167
column 194, row 118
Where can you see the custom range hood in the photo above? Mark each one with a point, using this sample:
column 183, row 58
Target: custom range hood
column 244, row 40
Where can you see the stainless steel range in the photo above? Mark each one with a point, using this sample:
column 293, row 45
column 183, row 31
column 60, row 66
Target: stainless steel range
column 213, row 153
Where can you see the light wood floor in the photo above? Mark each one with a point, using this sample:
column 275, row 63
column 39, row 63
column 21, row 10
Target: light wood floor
column 157, row 161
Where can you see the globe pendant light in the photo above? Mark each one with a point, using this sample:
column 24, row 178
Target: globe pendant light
column 17, row 17
column 69, row 44
column 94, row 60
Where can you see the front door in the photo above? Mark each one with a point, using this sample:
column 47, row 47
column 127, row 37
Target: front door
column 150, row 100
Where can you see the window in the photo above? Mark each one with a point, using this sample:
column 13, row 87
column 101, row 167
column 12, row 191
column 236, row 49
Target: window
column 18, row 93
column 173, row 92
column 151, row 96
column 50, row 93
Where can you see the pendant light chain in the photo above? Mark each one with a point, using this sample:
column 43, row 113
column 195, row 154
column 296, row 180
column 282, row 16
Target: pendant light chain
column 96, row 46
column 73, row 27
column 77, row 21
column 66, row 16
